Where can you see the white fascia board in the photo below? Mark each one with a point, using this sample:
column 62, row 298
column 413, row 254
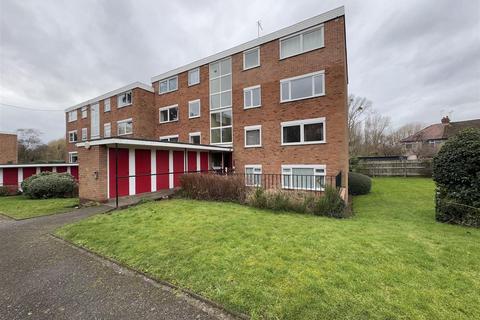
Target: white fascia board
column 7, row 132
column 34, row 165
column 112, row 93
column 152, row 144
column 321, row 18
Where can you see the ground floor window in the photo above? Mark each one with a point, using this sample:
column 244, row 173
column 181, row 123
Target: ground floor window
column 253, row 175
column 73, row 157
column 194, row 137
column 303, row 177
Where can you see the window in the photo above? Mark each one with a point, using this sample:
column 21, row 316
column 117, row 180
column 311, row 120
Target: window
column 172, row 138
column 72, row 116
column 252, row 97
column 124, row 99
column 251, row 58
column 73, row 157
column 307, row 131
column 194, row 76
column 106, row 105
column 107, row 130
column 221, row 84
column 302, row 87
column 303, row 177
column 194, row 137
column 221, row 126
column 253, row 175
column 168, row 85
column 169, row 114
column 124, row 127
column 84, row 112
column 194, row 109
column 72, row 136
column 301, row 42
column 84, row 134
column 253, row 136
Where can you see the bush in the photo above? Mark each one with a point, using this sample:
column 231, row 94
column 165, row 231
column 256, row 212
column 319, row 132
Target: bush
column 213, row 187
column 456, row 171
column 50, row 185
column 331, row 204
column 358, row 183
column 4, row 191
column 26, row 183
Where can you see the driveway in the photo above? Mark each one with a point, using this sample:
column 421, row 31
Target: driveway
column 44, row 278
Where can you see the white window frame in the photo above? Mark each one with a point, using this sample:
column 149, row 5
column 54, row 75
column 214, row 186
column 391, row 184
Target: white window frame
column 105, row 125
column 315, row 167
column 70, row 137
column 302, row 123
column 312, row 75
column 251, row 89
column 194, row 134
column 199, row 108
column 70, row 156
column 121, row 122
column 168, row 85
column 220, row 92
column 221, row 126
column 84, row 111
column 168, row 108
column 191, row 71
column 106, row 103
column 251, row 128
column 255, row 167
column 258, row 57
column 169, row 137
column 84, row 134
column 301, row 34
column 120, row 103
column 71, row 117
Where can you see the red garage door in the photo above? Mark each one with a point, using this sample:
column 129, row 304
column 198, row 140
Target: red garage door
column 192, row 161
column 123, row 189
column 162, row 169
column 61, row 169
column 28, row 172
column 143, row 164
column 178, row 167
column 74, row 171
column 10, row 177
column 204, row 161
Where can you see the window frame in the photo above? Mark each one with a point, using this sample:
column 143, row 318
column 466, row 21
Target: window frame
column 105, row 105
column 251, row 89
column 69, row 136
column 194, row 134
column 71, row 154
column 199, row 108
column 188, row 76
column 84, row 112
column 169, row 137
column 121, row 122
column 314, row 95
column 301, row 34
column 120, row 104
column 302, row 124
column 220, row 85
column 221, row 126
column 167, row 80
column 84, row 130
column 253, row 167
column 252, row 128
column 314, row 167
column 109, row 125
column 168, row 108
column 70, row 117
column 258, row 57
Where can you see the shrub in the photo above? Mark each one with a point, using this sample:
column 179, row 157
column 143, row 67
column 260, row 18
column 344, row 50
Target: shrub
column 213, row 187
column 330, row 204
column 358, row 183
column 50, row 185
column 26, row 183
column 4, row 191
column 456, row 172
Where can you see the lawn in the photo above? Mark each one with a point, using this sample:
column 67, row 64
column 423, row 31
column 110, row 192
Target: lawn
column 391, row 261
column 21, row 207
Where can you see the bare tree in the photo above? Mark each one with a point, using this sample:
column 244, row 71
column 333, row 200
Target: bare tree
column 357, row 108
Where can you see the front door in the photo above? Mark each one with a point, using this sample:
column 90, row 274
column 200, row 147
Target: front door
column 95, row 121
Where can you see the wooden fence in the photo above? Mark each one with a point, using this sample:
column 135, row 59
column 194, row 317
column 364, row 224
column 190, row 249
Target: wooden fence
column 391, row 168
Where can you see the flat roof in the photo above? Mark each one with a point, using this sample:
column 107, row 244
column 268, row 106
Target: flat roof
column 7, row 132
column 112, row 93
column 29, row 165
column 152, row 143
column 305, row 24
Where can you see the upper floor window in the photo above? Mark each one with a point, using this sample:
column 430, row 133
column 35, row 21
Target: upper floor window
column 107, row 130
column 194, row 76
column 221, row 84
column 168, row 85
column 106, row 105
column 302, row 87
column 172, row 138
column 195, row 137
column 72, row 136
column 169, row 114
column 124, row 127
column 252, row 97
column 194, row 109
column 124, row 99
column 84, row 112
column 72, row 116
column 251, row 58
column 73, row 157
column 304, row 41
column 221, row 126
column 307, row 131
column 84, row 134
column 253, row 136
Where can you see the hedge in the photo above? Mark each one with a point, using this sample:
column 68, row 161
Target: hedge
column 49, row 185
column 358, row 183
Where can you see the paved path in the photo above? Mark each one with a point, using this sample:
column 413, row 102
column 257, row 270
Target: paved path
column 44, row 278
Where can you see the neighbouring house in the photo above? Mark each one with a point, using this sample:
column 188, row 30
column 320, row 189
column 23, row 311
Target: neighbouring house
column 8, row 148
column 427, row 142
column 274, row 105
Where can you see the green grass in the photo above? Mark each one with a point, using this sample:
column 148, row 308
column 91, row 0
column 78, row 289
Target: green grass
column 391, row 261
column 21, row 207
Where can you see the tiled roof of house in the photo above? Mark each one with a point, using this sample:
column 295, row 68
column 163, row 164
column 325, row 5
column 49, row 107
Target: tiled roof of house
column 442, row 131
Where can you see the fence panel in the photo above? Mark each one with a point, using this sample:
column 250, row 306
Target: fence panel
column 390, row 168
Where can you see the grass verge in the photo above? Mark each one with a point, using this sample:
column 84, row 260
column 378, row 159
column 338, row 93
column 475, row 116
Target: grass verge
column 21, row 207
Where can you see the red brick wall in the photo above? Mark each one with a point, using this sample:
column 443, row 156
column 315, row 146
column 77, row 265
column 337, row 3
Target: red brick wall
column 93, row 186
column 8, row 148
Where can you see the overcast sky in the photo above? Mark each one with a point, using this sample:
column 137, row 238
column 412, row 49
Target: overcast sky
column 414, row 59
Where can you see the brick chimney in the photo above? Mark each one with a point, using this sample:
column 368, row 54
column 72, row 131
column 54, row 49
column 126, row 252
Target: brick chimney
column 445, row 120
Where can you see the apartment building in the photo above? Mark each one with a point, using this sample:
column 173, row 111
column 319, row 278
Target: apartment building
column 278, row 104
